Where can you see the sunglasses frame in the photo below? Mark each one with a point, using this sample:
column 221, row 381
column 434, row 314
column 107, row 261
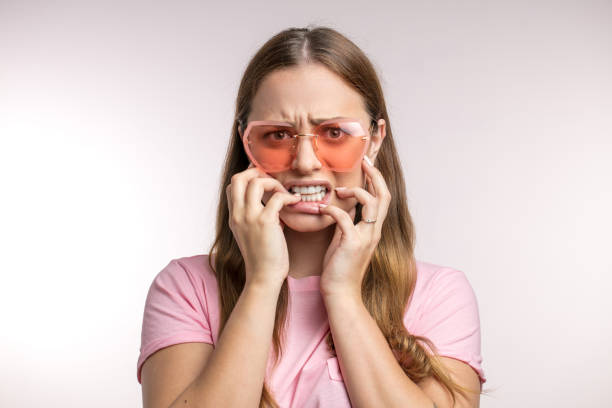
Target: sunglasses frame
column 314, row 136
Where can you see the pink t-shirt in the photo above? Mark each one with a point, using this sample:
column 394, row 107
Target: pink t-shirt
column 182, row 306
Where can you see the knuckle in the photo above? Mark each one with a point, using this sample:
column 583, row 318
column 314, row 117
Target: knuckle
column 254, row 184
column 250, row 218
column 234, row 220
column 257, row 181
column 263, row 220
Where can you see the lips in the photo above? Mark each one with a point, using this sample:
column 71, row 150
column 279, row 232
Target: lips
column 310, row 207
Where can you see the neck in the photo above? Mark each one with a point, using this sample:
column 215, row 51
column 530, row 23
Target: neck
column 304, row 247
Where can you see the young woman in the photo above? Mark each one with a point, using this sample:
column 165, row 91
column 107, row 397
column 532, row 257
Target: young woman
column 310, row 295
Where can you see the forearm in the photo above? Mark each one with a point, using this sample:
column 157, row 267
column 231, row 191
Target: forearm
column 234, row 373
column 372, row 375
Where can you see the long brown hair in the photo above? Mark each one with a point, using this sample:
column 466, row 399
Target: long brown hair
column 391, row 275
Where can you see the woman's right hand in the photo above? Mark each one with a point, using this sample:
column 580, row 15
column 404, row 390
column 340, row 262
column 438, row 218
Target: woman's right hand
column 257, row 228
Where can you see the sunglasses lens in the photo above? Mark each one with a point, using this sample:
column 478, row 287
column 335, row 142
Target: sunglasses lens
column 271, row 146
column 339, row 146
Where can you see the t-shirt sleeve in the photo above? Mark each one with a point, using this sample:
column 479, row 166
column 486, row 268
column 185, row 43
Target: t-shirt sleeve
column 451, row 320
column 175, row 311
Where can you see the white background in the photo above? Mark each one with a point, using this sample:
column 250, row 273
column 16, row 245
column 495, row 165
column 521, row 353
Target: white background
column 115, row 117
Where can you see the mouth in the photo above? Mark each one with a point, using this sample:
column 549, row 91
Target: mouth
column 312, row 193
column 300, row 184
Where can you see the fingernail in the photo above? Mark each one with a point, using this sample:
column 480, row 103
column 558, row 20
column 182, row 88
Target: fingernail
column 298, row 195
column 340, row 188
column 367, row 160
column 322, row 205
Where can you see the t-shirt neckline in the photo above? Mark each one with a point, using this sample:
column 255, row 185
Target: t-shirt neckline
column 305, row 284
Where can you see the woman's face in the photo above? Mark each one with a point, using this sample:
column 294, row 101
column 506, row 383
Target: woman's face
column 299, row 95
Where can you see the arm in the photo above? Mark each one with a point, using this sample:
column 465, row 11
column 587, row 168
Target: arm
column 463, row 374
column 168, row 371
column 371, row 373
column 234, row 373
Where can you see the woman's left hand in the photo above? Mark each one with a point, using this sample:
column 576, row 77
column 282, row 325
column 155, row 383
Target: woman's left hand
column 348, row 256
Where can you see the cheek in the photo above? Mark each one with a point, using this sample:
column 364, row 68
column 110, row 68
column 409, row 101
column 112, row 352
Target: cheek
column 353, row 179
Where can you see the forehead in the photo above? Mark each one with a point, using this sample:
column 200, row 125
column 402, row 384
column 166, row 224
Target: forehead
column 305, row 91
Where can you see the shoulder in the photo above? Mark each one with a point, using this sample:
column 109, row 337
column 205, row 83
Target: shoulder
column 184, row 286
column 189, row 271
column 195, row 266
column 435, row 283
column 444, row 309
column 181, row 306
column 429, row 274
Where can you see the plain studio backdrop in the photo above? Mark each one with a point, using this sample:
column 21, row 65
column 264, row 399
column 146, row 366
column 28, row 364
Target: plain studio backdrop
column 115, row 118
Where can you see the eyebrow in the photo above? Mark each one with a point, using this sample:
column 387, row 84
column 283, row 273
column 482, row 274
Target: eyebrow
column 316, row 121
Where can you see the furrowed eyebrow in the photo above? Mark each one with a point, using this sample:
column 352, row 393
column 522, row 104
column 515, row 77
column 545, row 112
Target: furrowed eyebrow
column 315, row 121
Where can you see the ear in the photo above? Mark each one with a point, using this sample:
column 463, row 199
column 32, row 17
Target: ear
column 377, row 139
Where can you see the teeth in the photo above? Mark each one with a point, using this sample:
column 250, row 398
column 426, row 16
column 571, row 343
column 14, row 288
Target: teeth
column 310, row 193
column 307, row 189
column 313, row 197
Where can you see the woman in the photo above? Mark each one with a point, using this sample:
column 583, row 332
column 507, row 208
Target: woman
column 310, row 293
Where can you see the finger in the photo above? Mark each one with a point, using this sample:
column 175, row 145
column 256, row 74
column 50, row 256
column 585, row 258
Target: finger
column 255, row 191
column 276, row 203
column 368, row 201
column 376, row 180
column 364, row 197
column 378, row 187
column 238, row 187
column 368, row 185
column 335, row 242
column 343, row 220
column 352, row 213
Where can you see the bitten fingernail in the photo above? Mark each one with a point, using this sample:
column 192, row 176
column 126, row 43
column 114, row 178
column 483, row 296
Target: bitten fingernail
column 322, row 205
column 340, row 188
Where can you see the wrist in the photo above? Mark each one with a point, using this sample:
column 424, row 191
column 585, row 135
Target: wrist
column 343, row 294
column 269, row 286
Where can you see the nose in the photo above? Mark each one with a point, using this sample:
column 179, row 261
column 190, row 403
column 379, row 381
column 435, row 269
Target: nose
column 305, row 159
